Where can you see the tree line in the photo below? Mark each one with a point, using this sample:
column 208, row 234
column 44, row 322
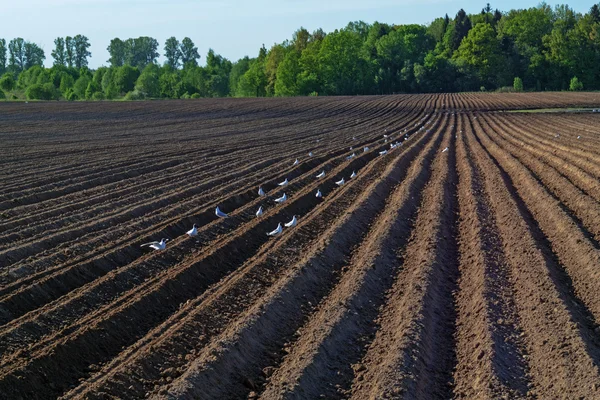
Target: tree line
column 539, row 48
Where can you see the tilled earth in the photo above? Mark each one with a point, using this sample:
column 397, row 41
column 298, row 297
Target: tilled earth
column 464, row 263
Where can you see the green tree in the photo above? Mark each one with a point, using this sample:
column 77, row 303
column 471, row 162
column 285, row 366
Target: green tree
column 16, row 50
column 59, row 55
column 80, row 86
column 575, row 84
column 118, row 52
column 7, row 82
column 287, row 75
column 141, row 51
column 518, row 84
column 81, row 53
column 124, row 78
column 172, row 52
column 480, row 51
column 70, row 51
column 3, row 58
column 66, row 82
column 237, row 71
column 189, row 52
column 148, row 81
column 34, row 55
column 274, row 58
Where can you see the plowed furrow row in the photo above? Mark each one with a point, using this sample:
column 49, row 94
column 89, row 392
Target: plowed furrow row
column 491, row 359
column 408, row 356
column 555, row 325
column 179, row 285
column 301, row 285
column 575, row 251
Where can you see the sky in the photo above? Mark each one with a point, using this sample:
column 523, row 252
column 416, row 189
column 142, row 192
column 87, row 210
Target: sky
column 233, row 28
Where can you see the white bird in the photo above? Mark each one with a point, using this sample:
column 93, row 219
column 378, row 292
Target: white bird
column 281, row 199
column 157, row 245
column 578, row 137
column 296, row 162
column 284, row 183
column 446, row 149
column 353, row 175
column 321, row 175
column 365, row 149
column 220, row 213
column 192, row 232
column 276, row 232
column 259, row 213
column 353, row 137
column 310, row 154
column 350, row 147
column 292, row 223
column 319, row 194
column 383, row 153
column 385, row 136
column 340, row 182
column 351, row 156
column 261, row 192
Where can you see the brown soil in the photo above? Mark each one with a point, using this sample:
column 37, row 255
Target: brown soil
column 465, row 273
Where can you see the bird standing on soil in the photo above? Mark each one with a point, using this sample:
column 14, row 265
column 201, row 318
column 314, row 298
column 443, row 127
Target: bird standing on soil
column 310, row 154
column 353, row 175
column 383, row 153
column 192, row 232
column 296, row 162
column 446, row 149
column 259, row 213
column 276, row 232
column 319, row 194
column 351, row 156
column 261, row 192
column 365, row 149
column 281, row 199
column 578, row 137
column 284, row 183
column 340, row 182
column 321, row 175
column 292, row 223
column 157, row 245
column 220, row 213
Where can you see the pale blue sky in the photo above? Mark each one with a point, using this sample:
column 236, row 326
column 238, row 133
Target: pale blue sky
column 233, row 28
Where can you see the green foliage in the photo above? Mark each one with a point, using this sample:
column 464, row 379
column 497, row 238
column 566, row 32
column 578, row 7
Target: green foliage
column 7, row 82
column 148, row 81
column 80, row 86
column 189, row 52
column 575, row 84
column 518, row 84
column 92, row 88
column 45, row 91
column 125, row 77
column 59, row 54
column 2, row 95
column 172, row 52
column 3, row 52
column 134, row 95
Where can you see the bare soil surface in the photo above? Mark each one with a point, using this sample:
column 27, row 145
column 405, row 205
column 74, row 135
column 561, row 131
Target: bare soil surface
column 463, row 263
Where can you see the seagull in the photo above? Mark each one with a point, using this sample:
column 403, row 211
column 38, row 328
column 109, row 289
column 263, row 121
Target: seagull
column 284, row 183
column 578, row 137
column 157, row 245
column 259, row 213
column 446, row 149
column 281, row 199
column 365, row 149
column 310, row 154
column 385, row 136
column 261, row 192
column 318, row 195
column 296, row 162
column 220, row 213
column 292, row 223
column 276, row 232
column 353, row 137
column 383, row 153
column 192, row 232
column 350, row 147
column 351, row 156
column 353, row 175
column 340, row 182
column 321, row 175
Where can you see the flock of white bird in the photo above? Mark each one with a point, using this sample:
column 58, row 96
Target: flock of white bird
column 261, row 193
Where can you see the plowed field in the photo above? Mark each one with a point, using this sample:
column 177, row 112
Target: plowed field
column 464, row 263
